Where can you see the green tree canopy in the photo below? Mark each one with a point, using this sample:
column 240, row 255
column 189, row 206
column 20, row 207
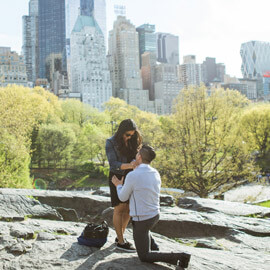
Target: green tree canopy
column 56, row 143
column 74, row 111
column 148, row 123
column 255, row 126
column 14, row 162
column 22, row 109
column 201, row 147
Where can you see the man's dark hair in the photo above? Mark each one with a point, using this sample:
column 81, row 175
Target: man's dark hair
column 147, row 153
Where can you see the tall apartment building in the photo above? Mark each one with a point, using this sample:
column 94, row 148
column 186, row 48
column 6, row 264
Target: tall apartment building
column 266, row 87
column 189, row 72
column 147, row 39
column 212, row 71
column 221, row 71
column 167, row 87
column 52, row 65
column 247, row 87
column 12, row 68
column 52, row 32
column 124, row 56
column 60, row 84
column 72, row 11
column 125, row 67
column 74, row 8
column 90, row 75
column 167, row 48
column 148, row 72
column 255, row 59
column 241, row 87
column 251, row 88
column 30, row 41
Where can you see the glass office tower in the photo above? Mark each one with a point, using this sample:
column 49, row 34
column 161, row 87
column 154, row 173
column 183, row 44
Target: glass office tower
column 255, row 59
column 147, row 39
column 52, row 32
column 30, row 41
column 167, row 48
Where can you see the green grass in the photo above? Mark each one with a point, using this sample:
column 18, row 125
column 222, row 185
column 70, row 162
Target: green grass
column 265, row 204
column 86, row 181
column 61, row 179
column 191, row 243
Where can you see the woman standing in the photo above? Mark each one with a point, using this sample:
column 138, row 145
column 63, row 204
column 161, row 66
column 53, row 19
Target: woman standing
column 121, row 150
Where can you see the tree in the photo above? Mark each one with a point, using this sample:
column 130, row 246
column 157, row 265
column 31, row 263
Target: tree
column 14, row 162
column 118, row 110
column 22, row 109
column 56, row 143
column 74, row 111
column 255, row 126
column 201, row 148
column 91, row 144
column 148, row 123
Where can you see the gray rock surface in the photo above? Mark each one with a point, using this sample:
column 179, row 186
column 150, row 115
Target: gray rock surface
column 17, row 207
column 83, row 203
column 226, row 207
column 217, row 239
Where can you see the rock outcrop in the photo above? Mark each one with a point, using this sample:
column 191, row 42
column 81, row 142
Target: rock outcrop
column 37, row 232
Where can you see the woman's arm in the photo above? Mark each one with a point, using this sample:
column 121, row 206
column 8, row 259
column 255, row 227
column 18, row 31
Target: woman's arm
column 126, row 166
column 112, row 158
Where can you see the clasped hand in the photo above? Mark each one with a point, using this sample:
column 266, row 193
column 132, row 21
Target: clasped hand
column 116, row 181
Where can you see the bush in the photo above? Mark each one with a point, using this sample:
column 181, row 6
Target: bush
column 14, row 162
column 95, row 171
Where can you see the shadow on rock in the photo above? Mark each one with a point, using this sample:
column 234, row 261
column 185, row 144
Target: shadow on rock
column 77, row 251
column 93, row 254
column 132, row 263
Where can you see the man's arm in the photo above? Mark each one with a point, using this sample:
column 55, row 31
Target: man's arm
column 123, row 192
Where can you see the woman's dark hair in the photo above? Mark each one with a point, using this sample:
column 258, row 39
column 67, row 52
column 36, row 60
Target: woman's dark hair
column 134, row 143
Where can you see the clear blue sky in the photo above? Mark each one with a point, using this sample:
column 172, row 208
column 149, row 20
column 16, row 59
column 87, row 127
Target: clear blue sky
column 206, row 28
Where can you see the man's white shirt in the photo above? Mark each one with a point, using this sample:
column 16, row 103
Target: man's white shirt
column 142, row 189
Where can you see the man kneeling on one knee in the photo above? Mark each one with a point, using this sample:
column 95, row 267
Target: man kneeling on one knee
column 142, row 189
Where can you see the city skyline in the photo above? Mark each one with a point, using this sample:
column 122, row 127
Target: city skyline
column 206, row 28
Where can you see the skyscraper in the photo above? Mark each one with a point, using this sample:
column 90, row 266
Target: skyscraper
column 189, row 72
column 148, row 72
column 167, row 48
column 97, row 9
column 125, row 67
column 147, row 39
column 52, row 32
column 266, row 86
column 30, row 41
column 255, row 59
column 124, row 56
column 212, row 71
column 90, row 75
column 167, row 87
column 72, row 11
column 12, row 68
